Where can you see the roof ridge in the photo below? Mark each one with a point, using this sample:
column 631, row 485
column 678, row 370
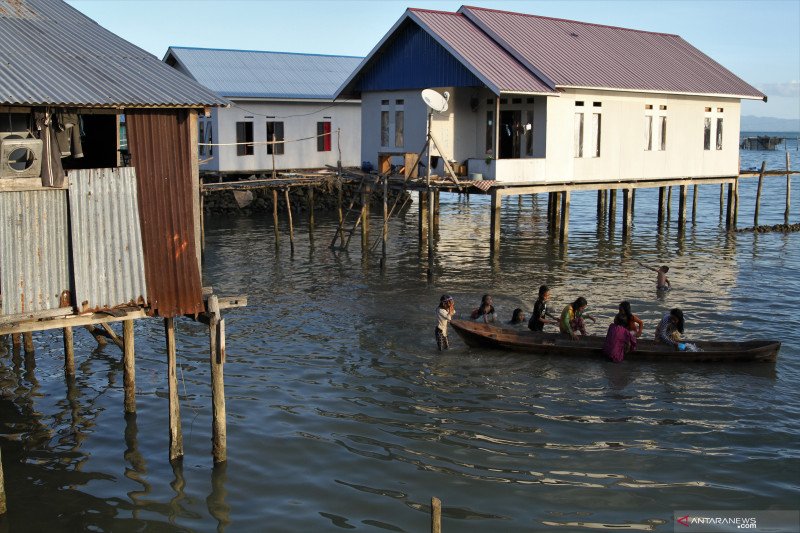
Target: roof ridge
column 423, row 10
column 173, row 47
column 566, row 20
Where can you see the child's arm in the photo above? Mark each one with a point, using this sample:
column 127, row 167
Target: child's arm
column 647, row 267
column 590, row 317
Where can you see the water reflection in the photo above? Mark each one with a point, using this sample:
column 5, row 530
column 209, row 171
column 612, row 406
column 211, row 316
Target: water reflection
column 216, row 502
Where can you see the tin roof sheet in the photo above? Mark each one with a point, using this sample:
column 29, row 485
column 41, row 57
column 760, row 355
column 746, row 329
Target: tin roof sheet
column 580, row 54
column 257, row 74
column 52, row 54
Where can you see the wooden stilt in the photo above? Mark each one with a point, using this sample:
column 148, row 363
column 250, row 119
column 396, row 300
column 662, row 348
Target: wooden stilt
column 175, row 434
column 69, row 352
column 788, row 192
column 599, row 204
column 735, row 202
column 385, row 232
column 662, row 205
column 669, row 203
column 633, row 204
column 436, row 210
column 627, row 212
column 202, row 223
column 216, row 328
column 556, row 222
column 275, row 218
column 423, row 219
column 549, row 211
column 682, row 209
column 729, row 213
column 366, row 195
column 497, row 203
column 289, row 213
column 694, row 203
column 3, row 505
column 721, row 199
column 340, row 231
column 436, row 515
column 758, row 193
column 16, row 341
column 431, row 226
column 564, row 233
column 129, row 368
column 612, row 210
column 310, row 197
column 27, row 339
column 111, row 334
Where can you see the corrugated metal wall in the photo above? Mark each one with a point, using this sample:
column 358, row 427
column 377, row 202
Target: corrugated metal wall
column 34, row 260
column 414, row 60
column 161, row 153
column 107, row 254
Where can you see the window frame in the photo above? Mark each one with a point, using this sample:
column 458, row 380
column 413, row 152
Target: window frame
column 324, row 136
column 244, row 138
column 280, row 135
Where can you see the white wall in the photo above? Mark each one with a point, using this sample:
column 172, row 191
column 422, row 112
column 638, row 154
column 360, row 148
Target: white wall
column 297, row 155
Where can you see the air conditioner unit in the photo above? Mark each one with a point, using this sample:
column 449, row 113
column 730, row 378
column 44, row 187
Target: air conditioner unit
column 20, row 158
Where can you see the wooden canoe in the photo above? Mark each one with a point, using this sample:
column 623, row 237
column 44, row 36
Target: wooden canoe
column 480, row 335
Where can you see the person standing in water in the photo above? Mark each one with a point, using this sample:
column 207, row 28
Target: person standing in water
column 444, row 314
column 540, row 316
column 662, row 281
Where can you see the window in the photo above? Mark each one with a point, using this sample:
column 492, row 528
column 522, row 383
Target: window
column 384, row 102
column 489, row 132
column 516, row 100
column 648, row 132
column 210, row 138
column 529, row 133
column 384, row 128
column 275, row 133
column 719, row 133
column 244, row 134
column 201, row 136
column 578, row 134
column 662, row 128
column 707, row 133
column 596, row 124
column 324, row 139
column 399, row 102
column 579, row 103
column 399, row 127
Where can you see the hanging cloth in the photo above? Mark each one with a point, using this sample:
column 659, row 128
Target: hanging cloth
column 52, row 171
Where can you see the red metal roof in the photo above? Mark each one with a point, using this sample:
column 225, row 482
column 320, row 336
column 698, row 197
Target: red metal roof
column 578, row 54
column 476, row 50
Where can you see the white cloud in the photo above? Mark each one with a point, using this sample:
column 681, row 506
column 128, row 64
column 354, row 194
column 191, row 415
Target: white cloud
column 789, row 89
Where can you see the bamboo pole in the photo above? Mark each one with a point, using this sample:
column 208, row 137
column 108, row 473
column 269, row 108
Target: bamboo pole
column 564, row 232
column 27, row 339
column 788, row 192
column 758, row 193
column 291, row 224
column 694, row 203
column 216, row 329
column 129, row 366
column 436, row 515
column 69, row 352
column 275, row 218
column 175, row 434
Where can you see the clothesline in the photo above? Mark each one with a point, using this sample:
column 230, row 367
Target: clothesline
column 253, row 143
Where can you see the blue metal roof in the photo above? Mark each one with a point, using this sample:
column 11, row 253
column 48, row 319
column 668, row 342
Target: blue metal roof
column 256, row 74
column 52, row 54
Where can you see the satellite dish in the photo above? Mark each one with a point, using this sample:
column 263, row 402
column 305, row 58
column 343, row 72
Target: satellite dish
column 434, row 100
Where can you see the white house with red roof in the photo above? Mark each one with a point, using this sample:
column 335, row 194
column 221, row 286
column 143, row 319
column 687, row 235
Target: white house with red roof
column 535, row 99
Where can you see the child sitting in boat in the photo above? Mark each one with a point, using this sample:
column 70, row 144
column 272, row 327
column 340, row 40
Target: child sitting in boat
column 670, row 328
column 518, row 317
column 619, row 339
column 662, row 282
column 444, row 314
column 632, row 321
column 572, row 318
column 484, row 313
column 540, row 315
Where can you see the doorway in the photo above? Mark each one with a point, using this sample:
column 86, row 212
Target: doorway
column 510, row 134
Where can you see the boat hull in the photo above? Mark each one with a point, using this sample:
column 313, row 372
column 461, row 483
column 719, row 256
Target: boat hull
column 480, row 335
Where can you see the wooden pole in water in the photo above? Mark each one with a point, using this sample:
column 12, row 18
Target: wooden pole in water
column 735, row 202
column 497, row 203
column 669, row 203
column 423, row 218
column 366, row 195
column 564, row 233
column 436, row 515
column 273, row 155
column 275, row 218
column 599, row 203
column 682, row 209
column 557, row 196
column 69, row 352
column 310, row 198
column 788, row 192
column 662, row 204
column 612, row 210
column 729, row 213
column 27, row 339
column 758, row 193
column 385, row 233
column 291, row 224
column 627, row 212
column 694, row 203
column 219, row 432
column 129, row 366
column 633, row 204
column 16, row 341
column 721, row 199
column 339, row 213
column 3, row 506
column 175, row 434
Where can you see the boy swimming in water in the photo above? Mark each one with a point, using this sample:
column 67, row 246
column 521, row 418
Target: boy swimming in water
column 662, row 282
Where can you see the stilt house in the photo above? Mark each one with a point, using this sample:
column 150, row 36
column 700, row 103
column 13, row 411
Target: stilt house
column 287, row 97
column 99, row 191
column 538, row 99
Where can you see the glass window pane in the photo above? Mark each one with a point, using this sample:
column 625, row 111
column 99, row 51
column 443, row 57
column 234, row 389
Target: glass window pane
column 663, row 130
column 489, row 132
column 707, row 134
column 529, row 133
column 648, row 132
column 596, row 124
column 578, row 135
column 384, row 128
column 719, row 134
column 398, row 128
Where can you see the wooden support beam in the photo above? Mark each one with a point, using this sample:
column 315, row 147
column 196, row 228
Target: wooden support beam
column 112, row 335
column 129, row 368
column 310, row 205
column 612, row 210
column 436, row 515
column 494, row 226
column 275, row 217
column 788, row 191
column 682, row 209
column 564, row 233
column 340, row 215
column 289, row 214
column 627, row 212
column 423, row 219
column 3, row 504
column 431, row 226
column 71, row 320
column 436, row 210
column 735, row 203
column 694, row 203
column 599, row 204
column 16, row 341
column 27, row 339
column 633, row 204
column 385, row 232
column 556, row 222
column 729, row 212
column 669, row 203
column 216, row 329
column 758, row 193
column 721, row 199
column 69, row 352
column 175, row 433
column 366, row 196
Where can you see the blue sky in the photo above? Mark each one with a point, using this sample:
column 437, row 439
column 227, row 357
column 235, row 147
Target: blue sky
column 757, row 40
